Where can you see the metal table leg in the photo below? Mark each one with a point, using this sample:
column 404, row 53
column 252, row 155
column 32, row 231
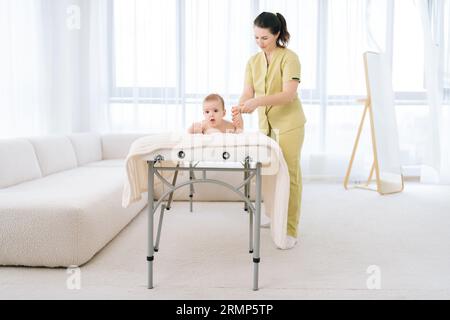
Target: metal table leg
column 174, row 181
column 158, row 235
column 150, row 248
column 256, row 257
column 246, row 174
column 250, row 210
column 191, row 188
column 163, row 208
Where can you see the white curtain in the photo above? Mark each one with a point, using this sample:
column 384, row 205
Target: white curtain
column 95, row 66
column 146, row 65
column 436, row 168
column 446, row 50
column 168, row 55
column 24, row 84
column 53, row 62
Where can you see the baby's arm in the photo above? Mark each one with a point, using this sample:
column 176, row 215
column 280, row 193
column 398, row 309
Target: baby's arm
column 238, row 122
column 230, row 127
column 196, row 127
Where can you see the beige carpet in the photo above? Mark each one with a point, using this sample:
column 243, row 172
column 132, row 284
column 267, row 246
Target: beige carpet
column 204, row 255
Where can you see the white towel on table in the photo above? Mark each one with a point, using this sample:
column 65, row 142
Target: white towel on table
column 275, row 175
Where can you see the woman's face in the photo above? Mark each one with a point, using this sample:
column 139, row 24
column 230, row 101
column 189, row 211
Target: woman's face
column 264, row 39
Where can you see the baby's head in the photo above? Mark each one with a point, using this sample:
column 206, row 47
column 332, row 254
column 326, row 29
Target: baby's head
column 214, row 109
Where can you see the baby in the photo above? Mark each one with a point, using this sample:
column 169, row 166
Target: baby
column 214, row 112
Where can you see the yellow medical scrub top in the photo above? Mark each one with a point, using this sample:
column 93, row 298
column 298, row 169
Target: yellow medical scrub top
column 268, row 80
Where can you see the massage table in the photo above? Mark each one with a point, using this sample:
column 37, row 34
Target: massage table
column 219, row 154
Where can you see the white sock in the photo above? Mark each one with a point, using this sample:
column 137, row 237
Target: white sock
column 290, row 242
column 265, row 221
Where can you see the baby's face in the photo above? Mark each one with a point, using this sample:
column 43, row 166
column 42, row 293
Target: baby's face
column 213, row 112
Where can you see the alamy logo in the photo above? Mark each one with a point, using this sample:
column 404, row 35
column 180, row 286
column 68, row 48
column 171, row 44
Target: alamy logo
column 73, row 20
column 374, row 280
column 73, row 282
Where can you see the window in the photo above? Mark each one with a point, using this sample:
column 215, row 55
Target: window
column 144, row 53
column 408, row 59
column 170, row 54
column 157, row 44
column 217, row 45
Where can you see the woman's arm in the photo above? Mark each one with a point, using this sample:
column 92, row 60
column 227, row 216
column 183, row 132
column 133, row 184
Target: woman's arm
column 287, row 95
column 247, row 94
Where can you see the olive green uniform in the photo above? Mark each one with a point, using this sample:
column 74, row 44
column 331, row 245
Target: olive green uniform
column 284, row 123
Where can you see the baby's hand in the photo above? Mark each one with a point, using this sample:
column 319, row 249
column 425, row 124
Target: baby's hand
column 237, row 122
column 236, row 114
column 196, row 127
column 235, row 110
column 237, row 117
column 204, row 125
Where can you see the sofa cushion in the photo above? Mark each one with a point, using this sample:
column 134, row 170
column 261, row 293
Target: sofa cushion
column 62, row 219
column 107, row 163
column 18, row 162
column 87, row 146
column 54, row 153
column 116, row 146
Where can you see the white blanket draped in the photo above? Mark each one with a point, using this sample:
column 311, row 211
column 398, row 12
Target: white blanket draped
column 275, row 175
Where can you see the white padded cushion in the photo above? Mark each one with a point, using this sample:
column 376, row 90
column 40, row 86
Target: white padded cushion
column 87, row 146
column 18, row 162
column 116, row 146
column 54, row 154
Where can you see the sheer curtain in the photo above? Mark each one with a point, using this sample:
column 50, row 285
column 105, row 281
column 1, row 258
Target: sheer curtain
column 446, row 50
column 144, row 84
column 24, row 85
column 162, row 65
column 436, row 43
column 95, row 48
column 53, row 62
column 168, row 55
column 146, row 65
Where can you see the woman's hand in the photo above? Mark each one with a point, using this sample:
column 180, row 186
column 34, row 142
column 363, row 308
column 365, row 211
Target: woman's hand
column 235, row 110
column 249, row 106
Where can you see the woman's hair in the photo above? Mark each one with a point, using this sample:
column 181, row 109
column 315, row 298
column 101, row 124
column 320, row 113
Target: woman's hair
column 275, row 23
column 215, row 97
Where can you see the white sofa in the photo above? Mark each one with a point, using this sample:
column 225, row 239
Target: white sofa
column 60, row 197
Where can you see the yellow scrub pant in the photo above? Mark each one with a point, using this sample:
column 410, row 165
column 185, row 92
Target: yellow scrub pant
column 291, row 143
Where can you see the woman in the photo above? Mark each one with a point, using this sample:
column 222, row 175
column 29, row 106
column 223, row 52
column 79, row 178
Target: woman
column 271, row 81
